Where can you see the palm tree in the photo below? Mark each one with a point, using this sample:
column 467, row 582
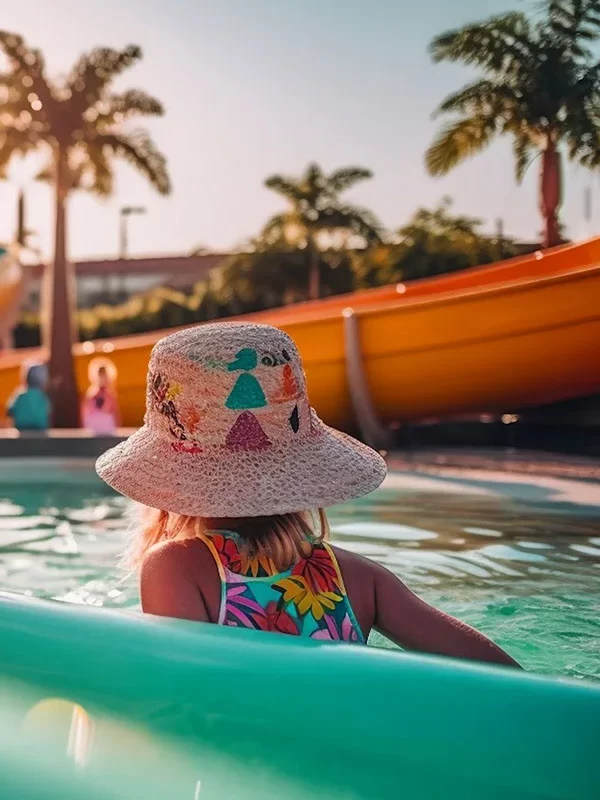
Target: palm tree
column 317, row 211
column 78, row 120
column 539, row 84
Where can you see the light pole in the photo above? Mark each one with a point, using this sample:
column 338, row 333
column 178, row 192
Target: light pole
column 125, row 212
column 21, row 173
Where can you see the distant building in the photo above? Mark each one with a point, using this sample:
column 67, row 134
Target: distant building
column 114, row 281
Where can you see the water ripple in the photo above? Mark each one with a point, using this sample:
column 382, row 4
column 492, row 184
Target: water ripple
column 524, row 566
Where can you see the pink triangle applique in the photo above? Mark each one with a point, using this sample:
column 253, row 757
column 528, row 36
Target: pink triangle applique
column 246, row 434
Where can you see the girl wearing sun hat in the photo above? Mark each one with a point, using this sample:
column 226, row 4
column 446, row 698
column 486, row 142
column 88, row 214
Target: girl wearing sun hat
column 233, row 469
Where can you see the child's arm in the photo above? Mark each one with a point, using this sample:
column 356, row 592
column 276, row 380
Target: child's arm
column 415, row 625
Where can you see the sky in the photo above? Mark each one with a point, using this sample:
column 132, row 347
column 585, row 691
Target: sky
column 253, row 87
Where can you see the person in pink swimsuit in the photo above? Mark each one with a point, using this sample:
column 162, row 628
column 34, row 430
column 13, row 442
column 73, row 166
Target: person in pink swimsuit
column 100, row 412
column 233, row 469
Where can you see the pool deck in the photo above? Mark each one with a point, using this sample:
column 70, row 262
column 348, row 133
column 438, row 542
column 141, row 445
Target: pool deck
column 82, row 444
column 527, row 462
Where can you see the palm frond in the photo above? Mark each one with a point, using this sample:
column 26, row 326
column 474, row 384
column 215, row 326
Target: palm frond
column 574, row 23
column 100, row 171
column 583, row 137
column 503, row 43
column 287, row 187
column 132, row 103
column 360, row 221
column 587, row 82
column 23, row 57
column 89, row 168
column 313, row 175
column 458, row 141
column 14, row 142
column 28, row 70
column 138, row 149
column 345, row 178
column 523, row 153
column 13, row 98
column 95, row 70
column 479, row 97
column 276, row 222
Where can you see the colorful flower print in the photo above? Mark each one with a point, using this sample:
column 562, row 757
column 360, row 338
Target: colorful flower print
column 243, row 611
column 332, row 631
column 228, row 551
column 296, row 590
column 236, row 560
column 280, row 621
column 319, row 572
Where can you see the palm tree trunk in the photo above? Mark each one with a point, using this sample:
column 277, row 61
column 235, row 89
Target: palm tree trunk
column 551, row 193
column 314, row 269
column 58, row 313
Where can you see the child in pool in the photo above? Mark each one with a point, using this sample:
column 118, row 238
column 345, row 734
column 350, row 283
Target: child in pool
column 234, row 468
column 100, row 412
column 29, row 407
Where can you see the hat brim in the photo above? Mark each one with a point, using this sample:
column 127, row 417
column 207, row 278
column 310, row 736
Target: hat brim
column 321, row 470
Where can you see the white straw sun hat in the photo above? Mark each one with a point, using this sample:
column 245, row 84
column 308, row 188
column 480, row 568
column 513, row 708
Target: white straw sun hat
column 229, row 431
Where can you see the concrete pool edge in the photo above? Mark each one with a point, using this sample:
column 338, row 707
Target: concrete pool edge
column 63, row 444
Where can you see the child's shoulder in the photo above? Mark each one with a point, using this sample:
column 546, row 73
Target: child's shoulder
column 353, row 563
column 180, row 556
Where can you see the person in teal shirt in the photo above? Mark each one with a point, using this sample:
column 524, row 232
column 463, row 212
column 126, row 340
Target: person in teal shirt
column 29, row 407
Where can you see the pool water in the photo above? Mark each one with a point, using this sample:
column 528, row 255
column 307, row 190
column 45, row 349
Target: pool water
column 517, row 557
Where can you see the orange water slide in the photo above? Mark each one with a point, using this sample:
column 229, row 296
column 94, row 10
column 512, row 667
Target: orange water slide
column 11, row 289
column 539, row 263
column 519, row 333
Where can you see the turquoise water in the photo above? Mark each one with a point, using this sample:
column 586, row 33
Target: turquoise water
column 517, row 557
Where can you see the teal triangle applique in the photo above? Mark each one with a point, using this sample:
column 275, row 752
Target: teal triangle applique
column 247, row 393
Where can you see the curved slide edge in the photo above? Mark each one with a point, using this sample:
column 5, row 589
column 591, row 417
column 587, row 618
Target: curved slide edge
column 537, row 264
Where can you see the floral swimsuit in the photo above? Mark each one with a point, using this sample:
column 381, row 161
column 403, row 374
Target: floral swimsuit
column 307, row 600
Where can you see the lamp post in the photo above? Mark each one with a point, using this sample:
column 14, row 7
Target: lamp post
column 21, row 173
column 125, row 213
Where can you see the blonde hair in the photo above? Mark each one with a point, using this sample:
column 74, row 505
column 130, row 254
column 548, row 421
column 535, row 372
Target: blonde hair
column 284, row 538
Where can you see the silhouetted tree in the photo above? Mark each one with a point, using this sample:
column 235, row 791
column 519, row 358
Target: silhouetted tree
column 79, row 119
column 540, row 85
